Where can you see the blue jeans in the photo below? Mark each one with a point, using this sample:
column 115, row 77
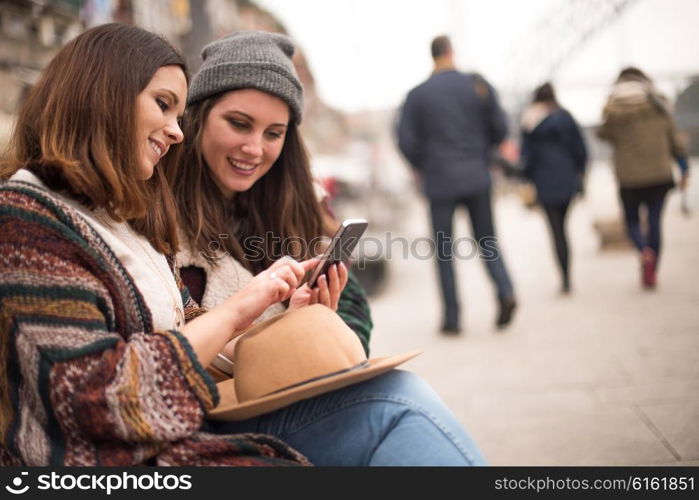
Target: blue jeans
column 653, row 198
column 480, row 213
column 395, row 419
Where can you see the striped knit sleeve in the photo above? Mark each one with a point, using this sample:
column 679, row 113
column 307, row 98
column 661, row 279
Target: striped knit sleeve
column 354, row 310
column 76, row 368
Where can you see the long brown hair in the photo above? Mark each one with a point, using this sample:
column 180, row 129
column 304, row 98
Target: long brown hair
column 282, row 204
column 76, row 130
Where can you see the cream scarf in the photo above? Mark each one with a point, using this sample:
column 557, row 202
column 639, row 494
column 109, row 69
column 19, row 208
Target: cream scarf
column 223, row 279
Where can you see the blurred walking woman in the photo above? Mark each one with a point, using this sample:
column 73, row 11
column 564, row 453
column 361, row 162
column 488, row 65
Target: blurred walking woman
column 98, row 367
column 638, row 123
column 554, row 156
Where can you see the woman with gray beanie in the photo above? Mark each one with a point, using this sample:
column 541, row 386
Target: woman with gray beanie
column 245, row 176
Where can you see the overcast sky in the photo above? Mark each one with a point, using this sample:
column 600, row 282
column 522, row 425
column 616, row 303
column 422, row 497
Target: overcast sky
column 366, row 54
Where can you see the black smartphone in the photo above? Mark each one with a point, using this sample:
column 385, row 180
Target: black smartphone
column 340, row 249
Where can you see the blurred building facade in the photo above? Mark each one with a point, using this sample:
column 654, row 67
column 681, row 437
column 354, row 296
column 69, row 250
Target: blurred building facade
column 32, row 31
column 687, row 113
column 30, row 34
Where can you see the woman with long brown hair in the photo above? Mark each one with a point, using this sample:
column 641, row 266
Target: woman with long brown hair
column 245, row 204
column 246, row 198
column 97, row 364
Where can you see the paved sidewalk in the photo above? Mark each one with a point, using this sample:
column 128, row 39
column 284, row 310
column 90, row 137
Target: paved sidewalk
column 606, row 376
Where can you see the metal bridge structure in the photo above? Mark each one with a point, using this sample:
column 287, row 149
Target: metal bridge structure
column 557, row 37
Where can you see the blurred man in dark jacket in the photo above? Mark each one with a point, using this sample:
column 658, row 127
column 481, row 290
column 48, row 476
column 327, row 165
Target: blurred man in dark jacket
column 446, row 130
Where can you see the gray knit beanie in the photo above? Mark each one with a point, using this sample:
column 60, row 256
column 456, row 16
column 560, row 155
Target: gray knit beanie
column 249, row 59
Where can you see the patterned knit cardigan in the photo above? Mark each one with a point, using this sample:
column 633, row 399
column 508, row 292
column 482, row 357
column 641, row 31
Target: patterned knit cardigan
column 83, row 378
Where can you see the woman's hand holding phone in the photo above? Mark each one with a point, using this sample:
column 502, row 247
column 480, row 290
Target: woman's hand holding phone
column 327, row 291
column 328, row 279
column 275, row 284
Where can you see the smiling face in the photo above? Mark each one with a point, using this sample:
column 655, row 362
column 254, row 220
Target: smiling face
column 243, row 136
column 159, row 108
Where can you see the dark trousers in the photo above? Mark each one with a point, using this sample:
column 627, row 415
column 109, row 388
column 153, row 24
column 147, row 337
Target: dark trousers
column 480, row 213
column 653, row 199
column 556, row 216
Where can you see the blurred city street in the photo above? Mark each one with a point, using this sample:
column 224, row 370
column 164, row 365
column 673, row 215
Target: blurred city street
column 608, row 375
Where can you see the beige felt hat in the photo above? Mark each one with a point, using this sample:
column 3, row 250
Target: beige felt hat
column 295, row 356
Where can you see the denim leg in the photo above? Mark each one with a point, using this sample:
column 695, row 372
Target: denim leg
column 395, row 419
column 481, row 215
column 442, row 213
column 631, row 206
column 655, row 209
